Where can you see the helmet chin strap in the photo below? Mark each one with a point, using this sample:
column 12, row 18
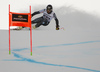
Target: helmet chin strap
column 49, row 12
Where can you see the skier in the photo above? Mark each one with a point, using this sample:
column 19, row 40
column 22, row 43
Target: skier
column 48, row 14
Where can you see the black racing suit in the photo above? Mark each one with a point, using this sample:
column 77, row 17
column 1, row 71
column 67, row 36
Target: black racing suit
column 43, row 20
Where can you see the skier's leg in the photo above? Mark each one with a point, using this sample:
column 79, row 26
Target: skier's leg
column 37, row 25
column 45, row 22
column 37, row 20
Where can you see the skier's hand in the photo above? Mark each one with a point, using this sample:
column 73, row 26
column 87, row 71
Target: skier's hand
column 57, row 27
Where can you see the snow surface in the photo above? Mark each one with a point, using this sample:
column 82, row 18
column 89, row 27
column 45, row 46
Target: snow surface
column 74, row 49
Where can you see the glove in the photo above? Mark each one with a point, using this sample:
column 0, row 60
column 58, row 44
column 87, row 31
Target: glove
column 57, row 27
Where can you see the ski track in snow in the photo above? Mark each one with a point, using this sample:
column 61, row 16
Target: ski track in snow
column 21, row 58
column 57, row 45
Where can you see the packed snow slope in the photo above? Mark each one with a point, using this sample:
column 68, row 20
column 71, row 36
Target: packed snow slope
column 73, row 48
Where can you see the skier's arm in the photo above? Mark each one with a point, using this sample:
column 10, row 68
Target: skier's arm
column 37, row 12
column 57, row 22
